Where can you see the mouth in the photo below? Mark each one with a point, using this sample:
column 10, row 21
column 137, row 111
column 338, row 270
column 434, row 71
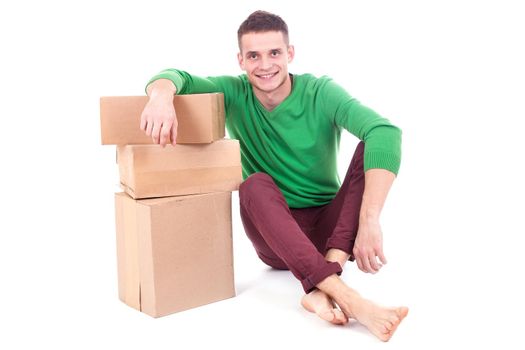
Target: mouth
column 266, row 76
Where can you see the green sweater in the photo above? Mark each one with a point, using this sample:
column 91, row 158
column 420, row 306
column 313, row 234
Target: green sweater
column 297, row 142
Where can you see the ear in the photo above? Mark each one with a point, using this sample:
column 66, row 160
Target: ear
column 241, row 60
column 291, row 53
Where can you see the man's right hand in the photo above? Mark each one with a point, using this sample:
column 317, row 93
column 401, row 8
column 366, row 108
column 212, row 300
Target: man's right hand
column 158, row 118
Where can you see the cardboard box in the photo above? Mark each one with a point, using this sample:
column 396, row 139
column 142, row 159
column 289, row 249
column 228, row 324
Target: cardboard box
column 148, row 171
column 200, row 119
column 174, row 253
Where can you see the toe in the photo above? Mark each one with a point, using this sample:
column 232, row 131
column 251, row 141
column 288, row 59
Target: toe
column 340, row 316
column 402, row 312
column 384, row 336
column 327, row 315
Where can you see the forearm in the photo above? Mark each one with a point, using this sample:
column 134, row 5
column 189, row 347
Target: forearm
column 377, row 185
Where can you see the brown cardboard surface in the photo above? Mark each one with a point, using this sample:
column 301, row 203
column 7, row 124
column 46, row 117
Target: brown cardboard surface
column 148, row 171
column 127, row 253
column 200, row 119
column 174, row 253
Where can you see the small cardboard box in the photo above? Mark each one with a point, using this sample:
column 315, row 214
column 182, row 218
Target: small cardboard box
column 174, row 253
column 148, row 171
column 200, row 119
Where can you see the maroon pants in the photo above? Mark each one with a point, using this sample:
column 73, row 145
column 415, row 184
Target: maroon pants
column 298, row 239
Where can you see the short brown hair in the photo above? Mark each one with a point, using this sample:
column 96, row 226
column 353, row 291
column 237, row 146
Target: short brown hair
column 262, row 21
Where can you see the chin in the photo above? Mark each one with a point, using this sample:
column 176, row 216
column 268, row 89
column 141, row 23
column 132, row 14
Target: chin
column 267, row 88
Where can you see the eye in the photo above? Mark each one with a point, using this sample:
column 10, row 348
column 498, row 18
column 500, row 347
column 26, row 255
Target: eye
column 252, row 56
column 275, row 53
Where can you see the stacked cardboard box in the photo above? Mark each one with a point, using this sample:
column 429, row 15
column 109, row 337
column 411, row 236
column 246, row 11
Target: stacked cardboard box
column 173, row 220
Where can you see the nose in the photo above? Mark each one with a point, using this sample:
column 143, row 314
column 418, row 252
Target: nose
column 265, row 63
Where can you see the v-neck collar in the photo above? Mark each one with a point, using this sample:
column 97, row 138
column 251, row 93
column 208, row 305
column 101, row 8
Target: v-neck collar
column 281, row 105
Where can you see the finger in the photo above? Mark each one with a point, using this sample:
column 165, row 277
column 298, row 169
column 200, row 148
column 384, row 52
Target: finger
column 381, row 257
column 143, row 122
column 359, row 259
column 359, row 264
column 165, row 133
column 374, row 264
column 149, row 128
column 155, row 133
column 174, row 133
column 366, row 265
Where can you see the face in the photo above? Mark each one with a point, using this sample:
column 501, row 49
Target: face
column 264, row 57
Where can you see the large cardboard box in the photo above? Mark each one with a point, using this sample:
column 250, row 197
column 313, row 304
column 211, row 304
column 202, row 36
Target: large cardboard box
column 200, row 119
column 174, row 253
column 148, row 171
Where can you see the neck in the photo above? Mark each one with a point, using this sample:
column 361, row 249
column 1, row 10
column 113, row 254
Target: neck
column 272, row 99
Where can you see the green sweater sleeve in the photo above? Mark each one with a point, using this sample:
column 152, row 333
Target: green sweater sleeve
column 382, row 139
column 190, row 84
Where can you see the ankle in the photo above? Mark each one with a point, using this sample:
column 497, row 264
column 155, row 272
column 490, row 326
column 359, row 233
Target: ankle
column 337, row 255
column 331, row 285
column 337, row 289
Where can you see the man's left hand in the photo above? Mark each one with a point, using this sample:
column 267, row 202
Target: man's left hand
column 368, row 247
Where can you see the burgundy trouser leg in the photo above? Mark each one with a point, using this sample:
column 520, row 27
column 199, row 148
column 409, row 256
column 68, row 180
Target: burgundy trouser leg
column 339, row 220
column 297, row 239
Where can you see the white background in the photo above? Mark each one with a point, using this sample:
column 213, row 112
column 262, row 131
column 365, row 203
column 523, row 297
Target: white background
column 449, row 73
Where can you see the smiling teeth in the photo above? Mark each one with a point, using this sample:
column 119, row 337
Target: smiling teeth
column 267, row 76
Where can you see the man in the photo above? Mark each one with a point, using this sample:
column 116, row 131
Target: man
column 293, row 208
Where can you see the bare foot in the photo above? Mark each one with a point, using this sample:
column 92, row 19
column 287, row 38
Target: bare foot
column 318, row 302
column 381, row 321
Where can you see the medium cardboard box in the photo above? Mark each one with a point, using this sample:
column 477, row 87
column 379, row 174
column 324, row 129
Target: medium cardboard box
column 174, row 253
column 200, row 119
column 148, row 171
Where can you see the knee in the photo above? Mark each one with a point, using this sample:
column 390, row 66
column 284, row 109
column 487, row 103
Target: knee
column 254, row 185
